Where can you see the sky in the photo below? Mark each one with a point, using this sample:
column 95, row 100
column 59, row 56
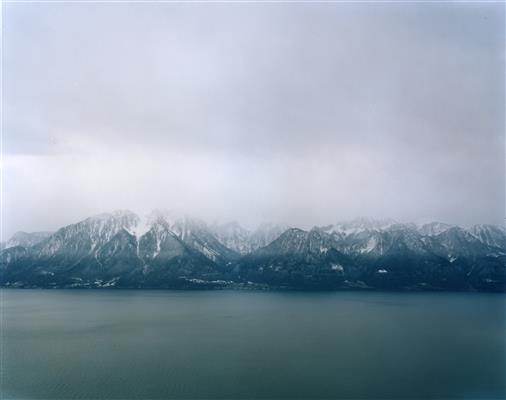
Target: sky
column 296, row 113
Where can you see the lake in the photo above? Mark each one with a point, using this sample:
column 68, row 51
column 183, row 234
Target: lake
column 128, row 344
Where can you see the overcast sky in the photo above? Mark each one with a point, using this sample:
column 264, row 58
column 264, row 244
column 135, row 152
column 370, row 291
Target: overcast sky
column 297, row 113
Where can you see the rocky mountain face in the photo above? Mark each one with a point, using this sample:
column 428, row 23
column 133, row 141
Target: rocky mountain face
column 299, row 258
column 25, row 239
column 243, row 241
column 233, row 236
column 120, row 249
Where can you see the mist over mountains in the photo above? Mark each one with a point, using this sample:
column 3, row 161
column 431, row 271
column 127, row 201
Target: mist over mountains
column 122, row 250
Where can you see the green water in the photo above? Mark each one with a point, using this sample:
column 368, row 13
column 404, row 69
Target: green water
column 106, row 344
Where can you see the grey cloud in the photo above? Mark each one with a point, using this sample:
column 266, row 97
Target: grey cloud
column 303, row 113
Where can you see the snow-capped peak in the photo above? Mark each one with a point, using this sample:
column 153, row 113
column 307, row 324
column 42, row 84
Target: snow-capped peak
column 362, row 224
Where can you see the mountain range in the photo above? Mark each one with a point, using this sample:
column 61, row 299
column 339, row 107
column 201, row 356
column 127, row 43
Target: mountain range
column 121, row 250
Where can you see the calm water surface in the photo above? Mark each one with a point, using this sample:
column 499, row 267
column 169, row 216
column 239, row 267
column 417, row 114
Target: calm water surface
column 106, row 344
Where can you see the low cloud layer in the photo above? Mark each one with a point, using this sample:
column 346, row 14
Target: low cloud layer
column 297, row 113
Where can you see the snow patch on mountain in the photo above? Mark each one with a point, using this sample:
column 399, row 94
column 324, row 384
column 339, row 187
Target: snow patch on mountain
column 358, row 225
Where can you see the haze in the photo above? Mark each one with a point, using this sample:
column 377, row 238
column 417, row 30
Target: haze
column 297, row 113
